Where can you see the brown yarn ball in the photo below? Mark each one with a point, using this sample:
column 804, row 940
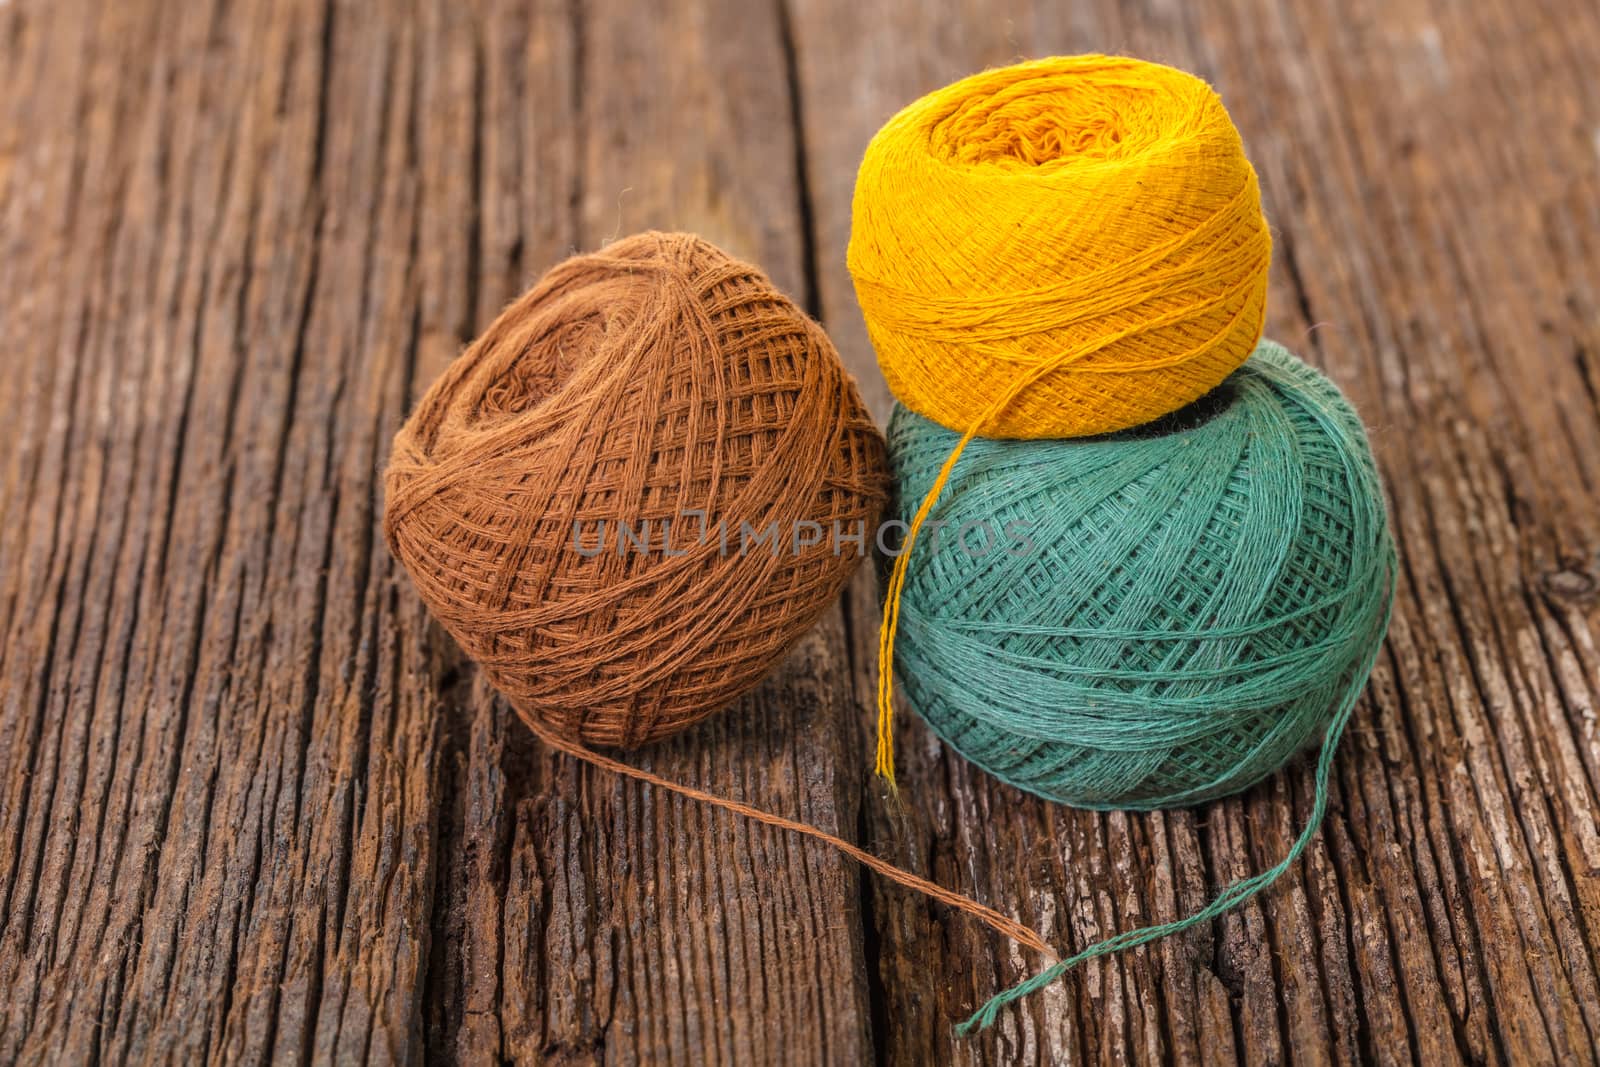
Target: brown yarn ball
column 645, row 382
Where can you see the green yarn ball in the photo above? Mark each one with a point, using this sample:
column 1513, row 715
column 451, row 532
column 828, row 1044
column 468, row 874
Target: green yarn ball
column 1156, row 617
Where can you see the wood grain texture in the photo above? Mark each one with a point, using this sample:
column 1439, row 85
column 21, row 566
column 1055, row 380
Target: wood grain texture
column 254, row 807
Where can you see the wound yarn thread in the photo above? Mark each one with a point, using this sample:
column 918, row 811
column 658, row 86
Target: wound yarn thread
column 1180, row 609
column 1063, row 247
column 645, row 399
column 1073, row 247
column 1090, row 221
column 1198, row 600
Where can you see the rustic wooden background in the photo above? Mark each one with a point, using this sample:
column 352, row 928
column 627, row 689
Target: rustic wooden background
column 253, row 805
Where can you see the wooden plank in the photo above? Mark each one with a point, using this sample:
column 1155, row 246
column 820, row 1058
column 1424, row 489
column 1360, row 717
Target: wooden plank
column 1430, row 173
column 255, row 807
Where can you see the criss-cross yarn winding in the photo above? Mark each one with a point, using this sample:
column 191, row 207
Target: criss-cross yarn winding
column 1062, row 247
column 656, row 388
column 1156, row 617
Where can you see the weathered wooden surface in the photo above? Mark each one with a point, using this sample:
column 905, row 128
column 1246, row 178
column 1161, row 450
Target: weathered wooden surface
column 253, row 806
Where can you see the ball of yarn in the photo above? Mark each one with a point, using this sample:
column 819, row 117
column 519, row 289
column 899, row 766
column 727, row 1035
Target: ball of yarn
column 1063, row 247
column 1161, row 616
column 660, row 387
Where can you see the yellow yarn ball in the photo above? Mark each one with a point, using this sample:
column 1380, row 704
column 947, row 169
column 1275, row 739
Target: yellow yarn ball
column 1063, row 247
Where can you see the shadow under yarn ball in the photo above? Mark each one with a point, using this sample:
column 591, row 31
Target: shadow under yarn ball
column 570, row 497
column 1166, row 614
